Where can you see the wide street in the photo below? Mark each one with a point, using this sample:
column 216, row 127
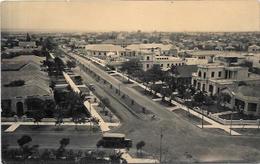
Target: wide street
column 180, row 137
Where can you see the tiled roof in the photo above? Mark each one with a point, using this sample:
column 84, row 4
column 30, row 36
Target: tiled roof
column 36, row 81
column 249, row 90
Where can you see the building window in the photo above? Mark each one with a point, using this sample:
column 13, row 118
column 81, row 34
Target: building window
column 219, row 74
column 148, row 58
column 99, row 53
column 161, row 65
column 204, row 75
column 212, row 74
column 203, row 87
column 168, row 65
column 211, row 89
column 199, row 73
column 252, row 107
column 147, row 65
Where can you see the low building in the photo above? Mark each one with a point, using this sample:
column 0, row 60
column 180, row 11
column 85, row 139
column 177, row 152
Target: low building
column 196, row 61
column 165, row 62
column 23, row 78
column 244, row 98
column 158, row 49
column 27, row 45
column 103, row 50
column 254, row 48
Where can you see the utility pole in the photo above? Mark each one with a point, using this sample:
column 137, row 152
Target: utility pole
column 202, row 118
column 161, row 136
column 119, row 88
column 231, row 122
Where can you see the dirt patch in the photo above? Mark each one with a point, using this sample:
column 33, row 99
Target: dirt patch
column 190, row 117
column 146, row 93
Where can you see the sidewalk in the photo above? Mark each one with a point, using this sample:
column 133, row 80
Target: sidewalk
column 222, row 113
column 15, row 125
column 103, row 125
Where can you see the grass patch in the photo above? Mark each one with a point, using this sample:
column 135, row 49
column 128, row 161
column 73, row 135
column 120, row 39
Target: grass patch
column 145, row 92
column 52, row 128
column 250, row 132
column 4, row 127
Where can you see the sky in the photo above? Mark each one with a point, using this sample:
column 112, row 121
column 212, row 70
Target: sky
column 127, row 15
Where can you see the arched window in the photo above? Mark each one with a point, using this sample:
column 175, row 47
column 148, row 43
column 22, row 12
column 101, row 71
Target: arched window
column 199, row 73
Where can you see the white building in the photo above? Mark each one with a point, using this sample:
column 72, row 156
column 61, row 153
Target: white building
column 244, row 98
column 165, row 62
column 254, row 48
column 27, row 45
column 213, row 77
column 158, row 49
column 104, row 50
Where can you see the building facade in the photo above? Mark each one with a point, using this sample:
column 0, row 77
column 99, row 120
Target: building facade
column 213, row 77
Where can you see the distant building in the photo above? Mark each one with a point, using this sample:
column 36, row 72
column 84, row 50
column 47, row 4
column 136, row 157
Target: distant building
column 103, row 50
column 27, row 45
column 254, row 48
column 165, row 62
column 156, row 48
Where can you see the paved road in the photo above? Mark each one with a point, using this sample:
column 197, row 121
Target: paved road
column 180, row 137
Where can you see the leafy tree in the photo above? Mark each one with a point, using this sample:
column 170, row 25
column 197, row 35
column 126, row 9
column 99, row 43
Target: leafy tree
column 116, row 157
column 58, row 116
column 71, row 64
column 199, row 97
column 38, row 116
column 105, row 101
column 49, row 44
column 24, row 140
column 28, row 37
column 61, row 150
column 181, row 90
column 154, row 74
column 140, row 145
column 132, row 67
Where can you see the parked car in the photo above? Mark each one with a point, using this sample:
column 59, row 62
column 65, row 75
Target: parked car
column 114, row 140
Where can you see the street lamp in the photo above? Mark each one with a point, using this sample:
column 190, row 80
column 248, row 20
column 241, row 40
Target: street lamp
column 161, row 136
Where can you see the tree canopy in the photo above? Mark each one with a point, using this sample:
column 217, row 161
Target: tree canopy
column 132, row 67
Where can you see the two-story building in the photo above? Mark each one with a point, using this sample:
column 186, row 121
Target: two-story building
column 165, row 62
column 213, row 77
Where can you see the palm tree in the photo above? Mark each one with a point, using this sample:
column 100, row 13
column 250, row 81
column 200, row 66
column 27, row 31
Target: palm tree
column 140, row 145
column 59, row 116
